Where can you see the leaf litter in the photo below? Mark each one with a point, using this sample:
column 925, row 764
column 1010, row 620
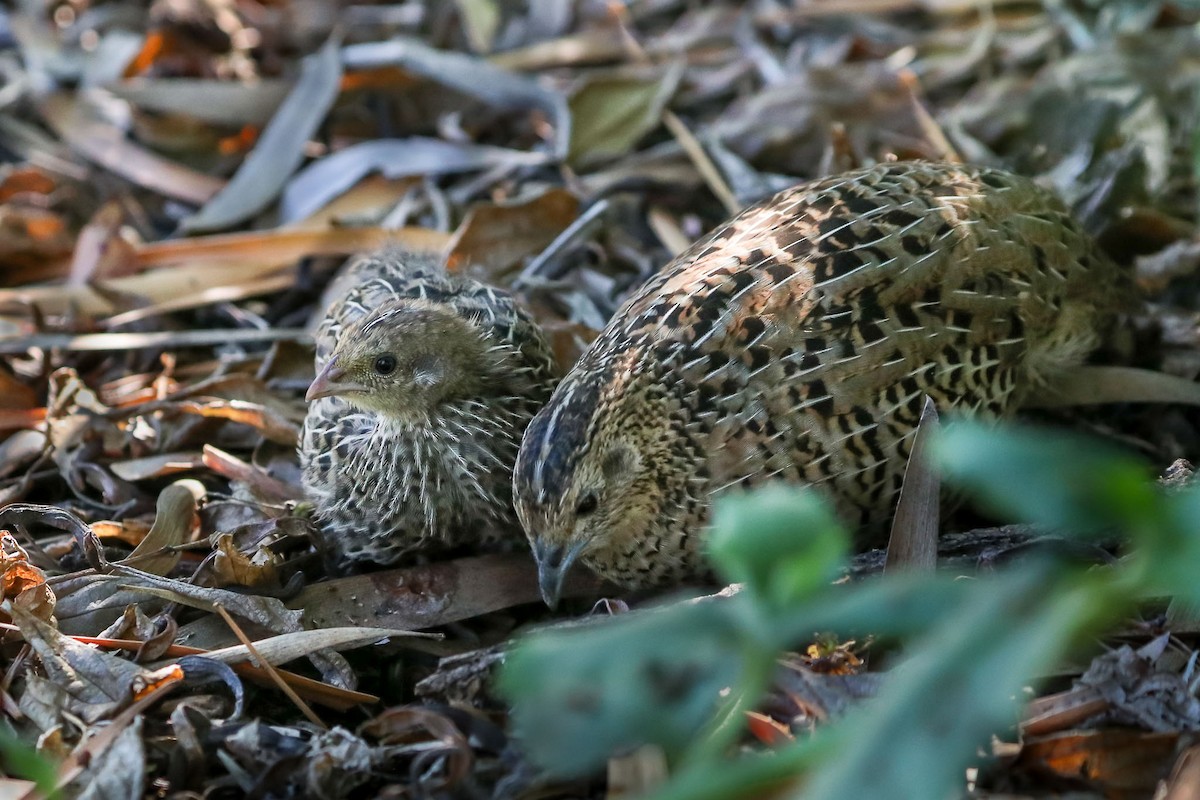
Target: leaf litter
column 179, row 188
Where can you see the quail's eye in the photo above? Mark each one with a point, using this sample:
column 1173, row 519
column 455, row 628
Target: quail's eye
column 587, row 504
column 385, row 364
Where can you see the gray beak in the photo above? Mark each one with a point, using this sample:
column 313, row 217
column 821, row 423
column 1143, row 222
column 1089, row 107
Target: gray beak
column 331, row 381
column 554, row 562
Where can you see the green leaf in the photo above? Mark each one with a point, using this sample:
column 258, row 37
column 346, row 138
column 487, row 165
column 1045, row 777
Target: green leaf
column 782, row 542
column 20, row 760
column 612, row 112
column 961, row 685
column 580, row 696
column 480, row 20
column 1061, row 481
column 1169, row 554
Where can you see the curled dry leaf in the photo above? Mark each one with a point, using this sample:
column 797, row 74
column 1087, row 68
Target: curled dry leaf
column 412, row 725
column 174, row 524
column 132, row 625
column 98, row 683
column 22, row 582
column 232, row 567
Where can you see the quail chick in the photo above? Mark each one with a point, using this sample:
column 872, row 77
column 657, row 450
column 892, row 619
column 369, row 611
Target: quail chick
column 797, row 342
column 425, row 383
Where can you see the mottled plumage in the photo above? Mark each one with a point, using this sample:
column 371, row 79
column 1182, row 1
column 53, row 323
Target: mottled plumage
column 797, row 342
column 425, row 384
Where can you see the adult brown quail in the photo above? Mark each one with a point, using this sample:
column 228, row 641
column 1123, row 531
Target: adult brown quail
column 425, row 383
column 798, row 342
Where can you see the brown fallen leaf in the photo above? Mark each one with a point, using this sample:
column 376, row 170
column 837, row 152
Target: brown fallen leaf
column 23, row 583
column 156, row 466
column 129, row 531
column 1056, row 712
column 24, row 179
column 1184, row 781
column 284, row 245
column 267, row 421
column 256, row 479
column 174, row 524
column 407, row 724
column 232, row 567
column 495, row 237
column 14, row 393
column 35, row 243
column 1123, row 764
column 202, row 264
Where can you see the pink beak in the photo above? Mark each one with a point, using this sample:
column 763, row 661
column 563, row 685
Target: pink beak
column 331, row 381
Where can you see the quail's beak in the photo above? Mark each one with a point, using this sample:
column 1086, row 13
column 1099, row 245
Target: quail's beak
column 554, row 562
column 331, row 381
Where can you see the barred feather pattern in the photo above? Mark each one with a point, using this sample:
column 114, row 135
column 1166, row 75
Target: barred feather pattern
column 797, row 342
column 385, row 488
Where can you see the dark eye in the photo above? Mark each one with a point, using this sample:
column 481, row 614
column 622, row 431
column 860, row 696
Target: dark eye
column 385, row 365
column 587, row 504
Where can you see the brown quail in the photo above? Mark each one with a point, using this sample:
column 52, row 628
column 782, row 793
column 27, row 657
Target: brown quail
column 798, row 342
column 425, row 383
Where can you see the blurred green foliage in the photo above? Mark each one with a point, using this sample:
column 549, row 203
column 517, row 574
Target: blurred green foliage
column 681, row 676
column 20, row 760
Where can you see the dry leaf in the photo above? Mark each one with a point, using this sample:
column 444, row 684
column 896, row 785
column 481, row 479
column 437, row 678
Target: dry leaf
column 494, row 238
column 280, row 149
column 107, row 146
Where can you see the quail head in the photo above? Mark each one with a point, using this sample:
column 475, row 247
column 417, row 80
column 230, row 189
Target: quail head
column 797, row 342
column 425, row 383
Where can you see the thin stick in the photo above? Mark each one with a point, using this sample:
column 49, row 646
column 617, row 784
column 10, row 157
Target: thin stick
column 269, row 668
column 687, row 140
